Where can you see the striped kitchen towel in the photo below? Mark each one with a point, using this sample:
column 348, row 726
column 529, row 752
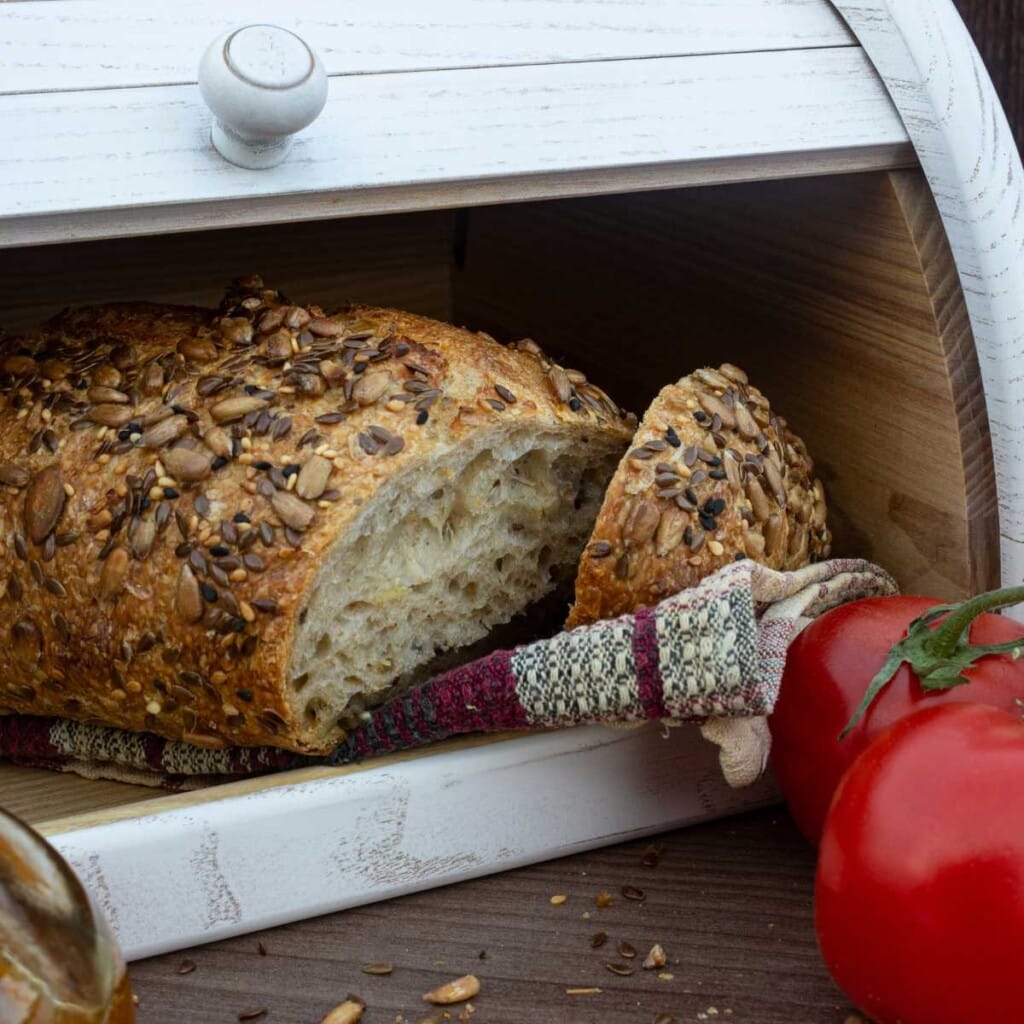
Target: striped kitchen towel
column 712, row 654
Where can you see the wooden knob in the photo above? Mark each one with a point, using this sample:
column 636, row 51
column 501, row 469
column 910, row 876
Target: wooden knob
column 263, row 84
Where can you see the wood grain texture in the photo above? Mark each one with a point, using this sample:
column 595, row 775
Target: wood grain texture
column 730, row 902
column 402, row 261
column 35, row 795
column 837, row 297
column 932, row 69
column 146, row 165
column 64, row 45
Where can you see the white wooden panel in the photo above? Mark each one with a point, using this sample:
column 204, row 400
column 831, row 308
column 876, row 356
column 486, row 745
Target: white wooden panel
column 91, row 44
column 433, row 134
column 938, row 81
column 219, row 867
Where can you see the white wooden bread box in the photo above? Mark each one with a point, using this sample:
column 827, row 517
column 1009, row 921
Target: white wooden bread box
column 529, row 167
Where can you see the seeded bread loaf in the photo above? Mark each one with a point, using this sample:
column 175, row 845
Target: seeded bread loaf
column 712, row 475
column 244, row 526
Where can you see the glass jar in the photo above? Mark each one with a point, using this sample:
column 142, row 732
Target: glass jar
column 59, row 962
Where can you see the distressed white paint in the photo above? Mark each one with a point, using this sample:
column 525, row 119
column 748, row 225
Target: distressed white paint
column 144, row 153
column 936, row 78
column 100, row 44
column 232, row 865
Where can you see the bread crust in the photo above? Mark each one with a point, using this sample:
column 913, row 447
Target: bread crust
column 172, row 476
column 712, row 474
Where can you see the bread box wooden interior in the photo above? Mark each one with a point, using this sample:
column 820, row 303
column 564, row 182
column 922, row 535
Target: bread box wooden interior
column 643, row 189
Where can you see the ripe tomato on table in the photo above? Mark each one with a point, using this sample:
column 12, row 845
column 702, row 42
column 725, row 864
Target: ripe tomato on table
column 912, row 651
column 919, row 901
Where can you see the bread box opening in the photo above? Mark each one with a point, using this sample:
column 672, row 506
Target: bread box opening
column 836, row 294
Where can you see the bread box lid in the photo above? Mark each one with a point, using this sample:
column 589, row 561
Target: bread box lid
column 477, row 101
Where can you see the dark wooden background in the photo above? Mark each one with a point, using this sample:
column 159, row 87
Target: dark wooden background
column 998, row 29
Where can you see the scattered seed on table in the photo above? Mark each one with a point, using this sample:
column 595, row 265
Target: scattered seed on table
column 558, row 900
column 626, row 949
column 186, row 966
column 598, row 939
column 254, row 1014
column 457, row 991
column 623, row 970
column 655, row 958
column 651, row 857
column 582, row 991
column 377, row 968
column 631, row 892
column 347, row 1012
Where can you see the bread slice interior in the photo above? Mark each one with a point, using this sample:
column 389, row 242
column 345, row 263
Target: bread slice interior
column 442, row 554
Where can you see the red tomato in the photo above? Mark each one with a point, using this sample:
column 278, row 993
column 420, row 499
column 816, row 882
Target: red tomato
column 919, row 902
column 828, row 670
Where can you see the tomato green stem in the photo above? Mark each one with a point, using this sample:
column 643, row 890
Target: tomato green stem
column 939, row 655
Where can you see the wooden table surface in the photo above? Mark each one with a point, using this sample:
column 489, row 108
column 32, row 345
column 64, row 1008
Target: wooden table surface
column 730, row 902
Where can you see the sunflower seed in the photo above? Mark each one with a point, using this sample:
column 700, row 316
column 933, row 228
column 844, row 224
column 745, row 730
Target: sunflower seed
column 292, row 510
column 187, row 598
column 642, row 523
column 14, row 476
column 378, row 969
column 142, row 538
column 773, row 535
column 712, row 378
column 670, row 531
column 19, row 365
column 186, row 464
column 561, row 383
column 626, row 949
column 600, row 549
column 115, row 570
column 231, row 409
column 758, row 499
column 101, row 394
column 110, row 415
column 164, row 432
column 371, row 386
column 313, row 477
column 324, row 328
column 456, row 991
column 716, row 407
column 774, row 477
column 44, row 502
column 598, row 939
column 745, row 423
column 347, row 1012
